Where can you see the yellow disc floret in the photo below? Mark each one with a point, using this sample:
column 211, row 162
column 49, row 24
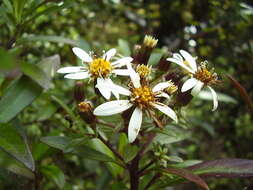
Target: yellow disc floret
column 206, row 76
column 142, row 96
column 100, row 68
column 143, row 70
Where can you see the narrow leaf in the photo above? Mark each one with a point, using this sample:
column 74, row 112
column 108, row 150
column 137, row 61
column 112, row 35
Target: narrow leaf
column 187, row 175
column 57, row 39
column 224, row 168
column 64, row 144
column 36, row 73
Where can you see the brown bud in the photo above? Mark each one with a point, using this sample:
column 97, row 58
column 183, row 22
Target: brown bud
column 85, row 110
column 79, row 91
column 163, row 64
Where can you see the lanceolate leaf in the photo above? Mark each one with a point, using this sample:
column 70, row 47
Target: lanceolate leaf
column 36, row 73
column 19, row 95
column 224, row 168
column 65, row 143
column 14, row 142
column 187, row 175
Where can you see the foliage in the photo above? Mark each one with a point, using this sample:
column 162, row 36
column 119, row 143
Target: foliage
column 47, row 143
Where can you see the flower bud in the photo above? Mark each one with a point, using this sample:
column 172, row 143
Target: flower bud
column 85, row 110
column 149, row 42
column 79, row 91
column 143, row 52
column 163, row 64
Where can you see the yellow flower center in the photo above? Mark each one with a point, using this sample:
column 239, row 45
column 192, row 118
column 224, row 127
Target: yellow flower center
column 142, row 96
column 143, row 70
column 206, row 76
column 100, row 68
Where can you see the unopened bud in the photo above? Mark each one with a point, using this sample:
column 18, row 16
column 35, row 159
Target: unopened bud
column 163, row 64
column 149, row 41
column 79, row 91
column 85, row 110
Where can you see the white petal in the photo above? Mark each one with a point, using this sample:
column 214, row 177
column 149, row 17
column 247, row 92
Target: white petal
column 77, row 76
column 163, row 94
column 112, row 107
column 166, row 110
column 70, row 69
column 115, row 87
column 188, row 57
column 82, row 54
column 161, row 86
column 110, row 84
column 197, row 88
column 190, row 83
column 180, row 63
column 109, row 54
column 134, row 125
column 215, row 98
column 122, row 72
column 101, row 86
column 122, row 62
column 121, row 90
column 135, row 78
column 178, row 57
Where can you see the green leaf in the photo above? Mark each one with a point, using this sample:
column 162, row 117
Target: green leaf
column 52, row 172
column 36, row 73
column 47, row 10
column 18, row 9
column 7, row 61
column 50, row 65
column 64, row 144
column 57, row 39
column 224, row 168
column 187, row 175
column 13, row 141
column 8, row 5
column 124, row 47
column 10, row 164
column 154, row 58
column 130, row 152
column 20, row 94
column 59, row 142
column 170, row 134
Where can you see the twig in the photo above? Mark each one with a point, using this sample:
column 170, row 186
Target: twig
column 145, row 167
column 117, row 154
column 152, row 181
column 106, row 124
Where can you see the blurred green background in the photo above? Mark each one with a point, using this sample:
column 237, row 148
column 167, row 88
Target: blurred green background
column 37, row 32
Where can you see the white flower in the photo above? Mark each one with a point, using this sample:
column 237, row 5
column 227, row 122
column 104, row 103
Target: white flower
column 99, row 69
column 143, row 98
column 200, row 76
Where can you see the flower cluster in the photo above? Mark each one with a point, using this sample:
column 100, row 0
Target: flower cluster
column 142, row 95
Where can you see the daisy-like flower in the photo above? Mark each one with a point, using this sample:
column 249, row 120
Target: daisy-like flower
column 200, row 75
column 143, row 98
column 99, row 69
